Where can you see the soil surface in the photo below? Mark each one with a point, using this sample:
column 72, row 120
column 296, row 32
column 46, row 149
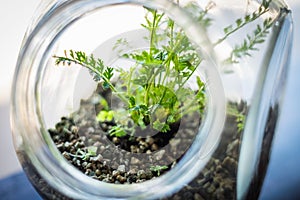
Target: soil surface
column 218, row 179
column 128, row 159
column 133, row 159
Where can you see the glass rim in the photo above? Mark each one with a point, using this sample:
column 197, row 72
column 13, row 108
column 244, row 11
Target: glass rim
column 73, row 182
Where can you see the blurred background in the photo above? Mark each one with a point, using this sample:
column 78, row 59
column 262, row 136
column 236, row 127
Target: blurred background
column 283, row 176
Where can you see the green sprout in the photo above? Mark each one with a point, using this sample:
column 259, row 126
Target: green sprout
column 105, row 116
column 158, row 168
column 85, row 154
column 117, row 131
column 241, row 120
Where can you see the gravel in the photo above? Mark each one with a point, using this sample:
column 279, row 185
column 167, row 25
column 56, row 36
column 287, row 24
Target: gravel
column 119, row 160
column 128, row 160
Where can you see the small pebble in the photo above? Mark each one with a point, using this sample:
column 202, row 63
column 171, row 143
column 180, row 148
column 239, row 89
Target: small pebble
column 121, row 168
column 134, row 161
column 141, row 174
column 159, row 155
column 154, row 147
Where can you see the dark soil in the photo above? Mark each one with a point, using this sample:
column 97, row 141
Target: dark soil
column 129, row 159
column 218, row 179
column 120, row 160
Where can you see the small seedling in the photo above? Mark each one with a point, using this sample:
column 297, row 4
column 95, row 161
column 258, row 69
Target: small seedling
column 158, row 168
column 91, row 151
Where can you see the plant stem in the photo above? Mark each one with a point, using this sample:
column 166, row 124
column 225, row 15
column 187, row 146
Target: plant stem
column 190, row 75
column 153, row 30
column 255, row 16
column 123, row 98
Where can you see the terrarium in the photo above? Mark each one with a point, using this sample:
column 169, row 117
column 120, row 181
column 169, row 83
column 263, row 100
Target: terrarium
column 150, row 99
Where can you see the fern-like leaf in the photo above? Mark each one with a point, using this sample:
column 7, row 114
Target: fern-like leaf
column 250, row 43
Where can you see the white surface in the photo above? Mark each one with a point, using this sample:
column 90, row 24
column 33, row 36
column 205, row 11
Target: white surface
column 283, row 177
column 14, row 18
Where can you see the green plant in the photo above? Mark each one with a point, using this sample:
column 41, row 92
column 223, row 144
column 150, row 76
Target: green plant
column 241, row 22
column 249, row 44
column 252, row 40
column 240, row 120
column 240, row 117
column 154, row 90
column 158, row 168
column 85, row 154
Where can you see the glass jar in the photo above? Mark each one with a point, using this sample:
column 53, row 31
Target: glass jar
column 244, row 50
